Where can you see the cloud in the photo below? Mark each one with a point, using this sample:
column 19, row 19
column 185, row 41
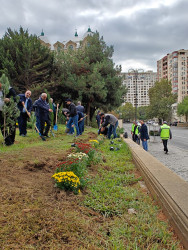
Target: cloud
column 142, row 31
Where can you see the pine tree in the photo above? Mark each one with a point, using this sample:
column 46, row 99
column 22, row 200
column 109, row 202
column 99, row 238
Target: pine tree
column 88, row 75
column 24, row 60
column 10, row 110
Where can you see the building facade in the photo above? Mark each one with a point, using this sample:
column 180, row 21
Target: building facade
column 138, row 88
column 71, row 44
column 174, row 67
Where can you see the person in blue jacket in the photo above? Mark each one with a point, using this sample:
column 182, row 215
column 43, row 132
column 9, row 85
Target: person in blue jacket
column 22, row 119
column 43, row 112
column 144, row 135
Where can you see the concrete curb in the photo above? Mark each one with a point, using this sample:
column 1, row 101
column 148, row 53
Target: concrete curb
column 170, row 190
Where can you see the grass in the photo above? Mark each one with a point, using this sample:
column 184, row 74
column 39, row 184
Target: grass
column 36, row 215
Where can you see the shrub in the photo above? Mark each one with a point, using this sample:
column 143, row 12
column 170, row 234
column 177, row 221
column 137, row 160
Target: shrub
column 67, row 181
column 78, row 167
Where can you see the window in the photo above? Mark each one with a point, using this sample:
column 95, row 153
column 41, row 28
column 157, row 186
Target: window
column 71, row 47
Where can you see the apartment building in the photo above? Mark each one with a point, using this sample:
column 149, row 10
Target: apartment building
column 174, row 67
column 138, row 86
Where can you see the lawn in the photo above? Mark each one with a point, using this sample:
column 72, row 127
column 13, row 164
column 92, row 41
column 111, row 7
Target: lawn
column 113, row 211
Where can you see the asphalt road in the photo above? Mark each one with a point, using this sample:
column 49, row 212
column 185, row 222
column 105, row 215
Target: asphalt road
column 177, row 158
column 179, row 135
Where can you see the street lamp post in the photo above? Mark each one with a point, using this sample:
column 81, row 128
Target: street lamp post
column 135, row 72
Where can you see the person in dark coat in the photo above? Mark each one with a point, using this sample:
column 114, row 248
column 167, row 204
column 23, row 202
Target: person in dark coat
column 44, row 109
column 144, row 135
column 80, row 121
column 22, row 119
column 10, row 131
column 73, row 116
column 81, row 109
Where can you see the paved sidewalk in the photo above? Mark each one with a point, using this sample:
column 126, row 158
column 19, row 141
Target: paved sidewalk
column 176, row 159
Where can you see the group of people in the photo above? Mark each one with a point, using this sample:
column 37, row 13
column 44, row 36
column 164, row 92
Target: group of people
column 74, row 115
column 107, row 123
column 141, row 133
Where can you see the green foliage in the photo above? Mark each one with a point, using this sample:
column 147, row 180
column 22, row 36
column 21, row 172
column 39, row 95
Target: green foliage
column 143, row 113
column 24, row 60
column 161, row 99
column 32, row 120
column 88, row 74
column 183, row 108
column 10, row 110
column 51, row 114
column 77, row 167
column 127, row 111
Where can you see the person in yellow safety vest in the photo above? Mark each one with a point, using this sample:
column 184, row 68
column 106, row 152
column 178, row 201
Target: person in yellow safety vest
column 165, row 134
column 132, row 130
column 136, row 133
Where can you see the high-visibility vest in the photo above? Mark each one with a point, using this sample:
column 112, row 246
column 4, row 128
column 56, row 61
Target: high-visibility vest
column 137, row 131
column 165, row 132
column 133, row 127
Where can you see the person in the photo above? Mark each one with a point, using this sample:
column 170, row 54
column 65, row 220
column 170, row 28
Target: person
column 98, row 119
column 80, row 122
column 70, row 130
column 136, row 133
column 132, row 130
column 80, row 108
column 22, row 119
column 165, row 134
column 113, row 121
column 73, row 116
column 144, row 135
column 9, row 132
column 44, row 109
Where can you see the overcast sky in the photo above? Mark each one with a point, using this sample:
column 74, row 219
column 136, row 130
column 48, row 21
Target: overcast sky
column 141, row 31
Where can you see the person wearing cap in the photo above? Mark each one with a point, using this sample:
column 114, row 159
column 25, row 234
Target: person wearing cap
column 165, row 134
column 113, row 121
column 73, row 116
column 144, row 135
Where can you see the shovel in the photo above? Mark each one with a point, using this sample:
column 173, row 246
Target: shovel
column 55, row 126
column 41, row 136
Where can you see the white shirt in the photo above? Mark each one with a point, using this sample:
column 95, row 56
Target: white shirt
column 1, row 100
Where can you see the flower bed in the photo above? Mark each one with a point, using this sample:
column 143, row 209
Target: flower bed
column 77, row 164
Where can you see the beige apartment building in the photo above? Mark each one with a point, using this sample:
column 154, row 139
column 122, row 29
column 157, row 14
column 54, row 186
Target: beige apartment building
column 71, row 44
column 174, row 67
column 144, row 81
